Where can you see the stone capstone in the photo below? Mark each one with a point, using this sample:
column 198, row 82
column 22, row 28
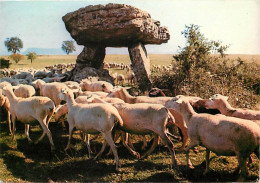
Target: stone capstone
column 114, row 25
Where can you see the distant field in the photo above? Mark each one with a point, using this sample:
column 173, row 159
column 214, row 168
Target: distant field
column 162, row 59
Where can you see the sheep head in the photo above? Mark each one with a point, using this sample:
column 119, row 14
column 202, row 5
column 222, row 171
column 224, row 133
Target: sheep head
column 214, row 101
column 62, row 95
column 7, row 89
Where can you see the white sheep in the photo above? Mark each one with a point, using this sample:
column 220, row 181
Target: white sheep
column 96, row 86
column 166, row 101
column 51, row 90
column 24, row 91
column 125, row 96
column 120, row 79
column 146, row 119
column 89, row 93
column 4, row 102
column 93, row 119
column 27, row 110
column 131, row 78
column 220, row 134
column 72, row 84
column 220, row 102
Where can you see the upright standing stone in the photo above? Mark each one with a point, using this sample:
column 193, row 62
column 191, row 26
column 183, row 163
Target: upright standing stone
column 141, row 65
column 92, row 56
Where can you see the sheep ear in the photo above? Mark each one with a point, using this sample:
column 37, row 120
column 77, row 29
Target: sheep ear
column 127, row 88
column 225, row 97
column 179, row 101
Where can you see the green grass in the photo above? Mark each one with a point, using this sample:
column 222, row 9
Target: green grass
column 24, row 162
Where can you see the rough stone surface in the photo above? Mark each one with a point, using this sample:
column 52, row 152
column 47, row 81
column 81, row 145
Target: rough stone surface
column 77, row 74
column 114, row 25
column 92, row 56
column 141, row 65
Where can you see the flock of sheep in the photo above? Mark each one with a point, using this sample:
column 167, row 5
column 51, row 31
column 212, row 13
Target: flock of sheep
column 98, row 107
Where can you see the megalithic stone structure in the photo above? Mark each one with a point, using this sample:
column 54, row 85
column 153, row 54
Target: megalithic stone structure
column 113, row 25
column 141, row 65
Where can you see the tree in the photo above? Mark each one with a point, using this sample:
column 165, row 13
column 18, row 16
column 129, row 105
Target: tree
column 16, row 57
column 13, row 44
column 31, row 56
column 197, row 50
column 68, row 47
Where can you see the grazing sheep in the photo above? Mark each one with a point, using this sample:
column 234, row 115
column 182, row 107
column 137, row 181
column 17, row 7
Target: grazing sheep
column 223, row 135
column 27, row 110
column 146, row 119
column 93, row 119
column 120, row 79
column 220, row 102
column 131, row 78
column 114, row 76
column 96, row 86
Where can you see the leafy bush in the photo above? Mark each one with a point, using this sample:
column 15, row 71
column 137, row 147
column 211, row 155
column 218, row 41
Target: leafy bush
column 4, row 63
column 196, row 72
column 16, row 57
column 238, row 80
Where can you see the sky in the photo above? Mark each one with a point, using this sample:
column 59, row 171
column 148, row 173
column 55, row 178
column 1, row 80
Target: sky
column 234, row 22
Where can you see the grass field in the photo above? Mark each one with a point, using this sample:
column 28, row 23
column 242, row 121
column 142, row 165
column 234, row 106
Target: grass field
column 162, row 59
column 24, row 162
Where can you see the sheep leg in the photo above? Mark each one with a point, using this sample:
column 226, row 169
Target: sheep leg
column 112, row 145
column 117, row 135
column 130, row 141
column 156, row 141
column 44, row 133
column 243, row 168
column 207, row 161
column 180, row 123
column 9, row 122
column 48, row 132
column 87, row 142
column 193, row 143
column 26, row 131
column 40, row 138
column 144, row 143
column 124, row 139
column 101, row 150
column 71, row 127
column 13, row 121
column 170, row 146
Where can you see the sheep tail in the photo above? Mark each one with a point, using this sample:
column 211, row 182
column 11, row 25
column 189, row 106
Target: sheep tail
column 51, row 112
column 171, row 118
column 119, row 121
